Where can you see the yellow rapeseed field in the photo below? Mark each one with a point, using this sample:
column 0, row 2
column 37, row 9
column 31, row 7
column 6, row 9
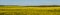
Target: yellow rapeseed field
column 30, row 11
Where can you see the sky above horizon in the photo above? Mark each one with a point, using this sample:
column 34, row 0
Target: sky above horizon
column 29, row 2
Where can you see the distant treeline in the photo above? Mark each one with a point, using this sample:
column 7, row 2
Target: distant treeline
column 34, row 6
column 44, row 6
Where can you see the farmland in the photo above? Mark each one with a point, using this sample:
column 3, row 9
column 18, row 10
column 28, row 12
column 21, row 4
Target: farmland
column 29, row 10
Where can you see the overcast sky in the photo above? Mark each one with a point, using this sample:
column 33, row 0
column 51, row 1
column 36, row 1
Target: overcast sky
column 29, row 2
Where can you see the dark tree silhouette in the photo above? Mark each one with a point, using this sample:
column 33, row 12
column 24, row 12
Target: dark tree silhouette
column 2, row 5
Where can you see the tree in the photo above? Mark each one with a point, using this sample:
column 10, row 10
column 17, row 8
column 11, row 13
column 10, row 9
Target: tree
column 2, row 5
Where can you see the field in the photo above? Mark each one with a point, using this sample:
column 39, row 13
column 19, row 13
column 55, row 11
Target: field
column 29, row 10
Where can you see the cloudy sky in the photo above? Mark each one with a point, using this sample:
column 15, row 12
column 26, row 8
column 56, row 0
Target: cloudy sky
column 29, row 2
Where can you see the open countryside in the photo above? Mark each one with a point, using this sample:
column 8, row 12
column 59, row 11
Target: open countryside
column 29, row 10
